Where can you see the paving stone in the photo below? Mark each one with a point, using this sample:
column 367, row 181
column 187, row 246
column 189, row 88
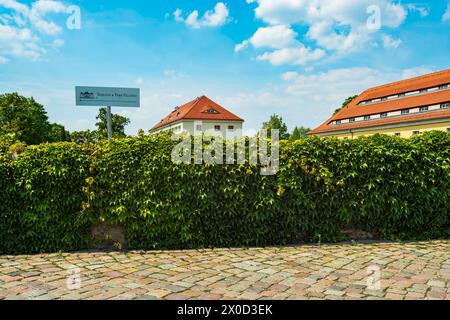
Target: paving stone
column 437, row 293
column 409, row 271
column 334, row 292
column 394, row 296
column 436, row 283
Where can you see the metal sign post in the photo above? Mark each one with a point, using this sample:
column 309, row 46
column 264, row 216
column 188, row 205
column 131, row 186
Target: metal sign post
column 109, row 122
column 105, row 96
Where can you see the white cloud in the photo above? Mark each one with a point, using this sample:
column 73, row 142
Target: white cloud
column 415, row 72
column 446, row 16
column 334, row 84
column 339, row 25
column 290, row 75
column 294, row 56
column 14, row 5
column 309, row 98
column 42, row 7
column 241, row 46
column 58, row 43
column 3, row 60
column 275, row 37
column 19, row 42
column 38, row 11
column 390, row 43
column 344, row 82
column 325, row 36
column 171, row 74
column 343, row 12
column 139, row 81
column 178, row 15
column 22, row 24
column 46, row 27
column 283, row 39
column 212, row 18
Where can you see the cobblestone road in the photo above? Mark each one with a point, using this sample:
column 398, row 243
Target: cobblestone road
column 406, row 271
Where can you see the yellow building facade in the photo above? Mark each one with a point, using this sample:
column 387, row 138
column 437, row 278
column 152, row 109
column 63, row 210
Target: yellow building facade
column 406, row 131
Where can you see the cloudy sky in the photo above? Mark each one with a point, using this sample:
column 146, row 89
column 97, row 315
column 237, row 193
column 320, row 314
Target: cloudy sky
column 296, row 58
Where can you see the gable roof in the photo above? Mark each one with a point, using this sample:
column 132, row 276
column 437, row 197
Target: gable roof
column 354, row 109
column 201, row 108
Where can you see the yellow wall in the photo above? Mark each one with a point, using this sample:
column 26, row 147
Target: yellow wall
column 405, row 132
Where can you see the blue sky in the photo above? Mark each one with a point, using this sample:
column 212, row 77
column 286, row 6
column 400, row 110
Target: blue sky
column 296, row 58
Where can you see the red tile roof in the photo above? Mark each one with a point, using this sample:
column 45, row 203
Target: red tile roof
column 197, row 110
column 354, row 109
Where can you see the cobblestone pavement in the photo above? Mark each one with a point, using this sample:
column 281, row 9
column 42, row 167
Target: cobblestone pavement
column 408, row 271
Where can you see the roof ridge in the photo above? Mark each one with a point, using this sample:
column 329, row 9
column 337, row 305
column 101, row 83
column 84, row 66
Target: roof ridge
column 193, row 105
column 425, row 76
column 221, row 107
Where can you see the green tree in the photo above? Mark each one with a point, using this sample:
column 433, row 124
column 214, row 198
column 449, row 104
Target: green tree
column 118, row 124
column 298, row 133
column 58, row 133
column 276, row 122
column 84, row 136
column 345, row 103
column 24, row 118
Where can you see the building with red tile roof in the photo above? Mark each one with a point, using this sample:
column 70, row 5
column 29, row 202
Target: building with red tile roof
column 201, row 115
column 401, row 108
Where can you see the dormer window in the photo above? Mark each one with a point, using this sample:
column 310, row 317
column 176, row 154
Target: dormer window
column 352, row 120
column 211, row 111
column 405, row 111
column 338, row 121
column 384, row 99
column 401, row 95
column 383, row 115
column 443, row 87
column 423, row 109
column 423, row 90
column 366, row 118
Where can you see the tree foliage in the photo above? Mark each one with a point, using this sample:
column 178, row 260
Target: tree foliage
column 23, row 119
column 86, row 136
column 298, row 133
column 276, row 122
column 118, row 124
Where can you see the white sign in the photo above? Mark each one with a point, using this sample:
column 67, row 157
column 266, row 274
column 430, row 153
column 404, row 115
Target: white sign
column 107, row 97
